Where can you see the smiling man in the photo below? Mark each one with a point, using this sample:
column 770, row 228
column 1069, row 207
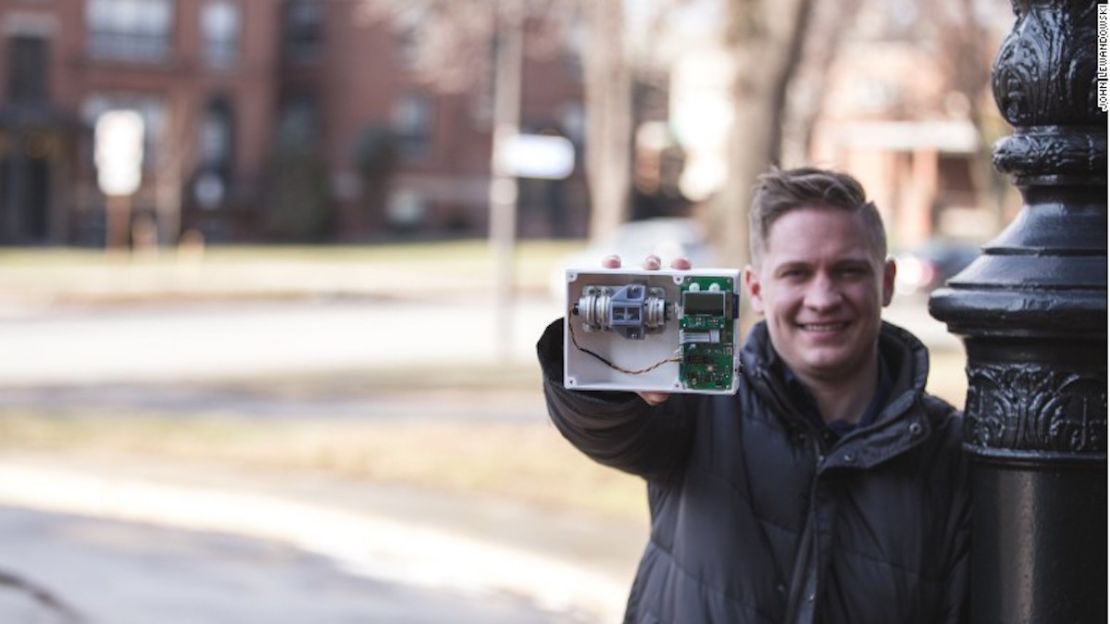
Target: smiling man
column 820, row 276
column 831, row 487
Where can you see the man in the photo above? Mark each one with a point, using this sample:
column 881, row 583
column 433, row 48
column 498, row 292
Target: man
column 830, row 488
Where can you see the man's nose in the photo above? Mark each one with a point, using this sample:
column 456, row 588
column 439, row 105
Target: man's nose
column 823, row 293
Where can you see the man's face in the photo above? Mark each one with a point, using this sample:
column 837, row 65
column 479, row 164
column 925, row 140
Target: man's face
column 821, row 287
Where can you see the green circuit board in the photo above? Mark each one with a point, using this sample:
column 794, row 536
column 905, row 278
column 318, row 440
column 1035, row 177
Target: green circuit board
column 707, row 312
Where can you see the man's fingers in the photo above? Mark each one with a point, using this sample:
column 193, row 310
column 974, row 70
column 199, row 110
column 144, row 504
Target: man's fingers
column 653, row 398
column 651, row 263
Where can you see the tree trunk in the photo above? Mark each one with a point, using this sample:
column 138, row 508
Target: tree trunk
column 766, row 40
column 811, row 82
column 608, row 116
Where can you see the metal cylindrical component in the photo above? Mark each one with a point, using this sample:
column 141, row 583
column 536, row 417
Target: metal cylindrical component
column 630, row 310
column 593, row 308
column 1031, row 561
column 655, row 312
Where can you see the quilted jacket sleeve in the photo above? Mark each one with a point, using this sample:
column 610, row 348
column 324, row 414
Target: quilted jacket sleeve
column 616, row 429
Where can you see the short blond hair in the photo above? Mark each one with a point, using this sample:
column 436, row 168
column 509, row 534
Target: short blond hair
column 780, row 191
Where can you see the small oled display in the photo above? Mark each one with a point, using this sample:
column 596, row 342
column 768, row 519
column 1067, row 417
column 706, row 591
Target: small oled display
column 708, row 303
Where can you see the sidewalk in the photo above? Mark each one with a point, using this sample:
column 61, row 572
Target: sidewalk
column 558, row 560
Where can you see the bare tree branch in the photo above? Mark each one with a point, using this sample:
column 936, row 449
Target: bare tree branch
column 765, row 39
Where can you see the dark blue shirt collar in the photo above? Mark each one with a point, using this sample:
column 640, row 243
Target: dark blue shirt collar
column 803, row 399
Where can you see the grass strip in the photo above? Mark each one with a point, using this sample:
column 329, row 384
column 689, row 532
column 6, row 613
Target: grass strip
column 524, row 462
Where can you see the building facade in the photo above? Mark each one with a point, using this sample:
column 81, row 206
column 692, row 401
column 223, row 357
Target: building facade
column 274, row 120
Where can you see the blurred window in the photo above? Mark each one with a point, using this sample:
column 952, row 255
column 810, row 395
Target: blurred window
column 304, row 30
column 137, row 31
column 27, row 69
column 216, row 134
column 574, row 39
column 412, row 125
column 406, row 208
column 408, row 23
column 298, row 121
column 573, row 120
column 220, row 22
column 408, row 45
column 873, row 95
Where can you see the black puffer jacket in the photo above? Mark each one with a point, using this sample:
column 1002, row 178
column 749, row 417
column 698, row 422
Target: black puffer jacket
column 757, row 516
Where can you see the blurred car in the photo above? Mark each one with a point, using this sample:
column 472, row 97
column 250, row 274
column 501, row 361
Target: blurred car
column 668, row 238
column 925, row 268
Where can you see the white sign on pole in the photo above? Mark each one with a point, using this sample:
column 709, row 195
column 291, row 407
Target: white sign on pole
column 118, row 151
column 536, row 156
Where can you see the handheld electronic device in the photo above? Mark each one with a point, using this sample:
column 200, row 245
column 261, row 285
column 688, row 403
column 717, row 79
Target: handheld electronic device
column 656, row 331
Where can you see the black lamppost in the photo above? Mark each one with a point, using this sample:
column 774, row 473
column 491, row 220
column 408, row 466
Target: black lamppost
column 1032, row 312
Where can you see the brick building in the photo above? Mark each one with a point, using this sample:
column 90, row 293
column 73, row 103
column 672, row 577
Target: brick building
column 264, row 120
column 894, row 113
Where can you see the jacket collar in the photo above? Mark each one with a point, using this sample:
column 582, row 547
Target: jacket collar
column 896, row 426
column 805, row 401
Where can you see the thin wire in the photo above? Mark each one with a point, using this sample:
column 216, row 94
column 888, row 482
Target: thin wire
column 574, row 339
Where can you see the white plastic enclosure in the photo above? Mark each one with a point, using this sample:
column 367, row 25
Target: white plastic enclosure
column 583, row 370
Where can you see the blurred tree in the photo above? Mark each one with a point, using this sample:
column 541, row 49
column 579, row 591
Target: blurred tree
column 765, row 38
column 375, row 159
column 784, row 52
column 450, row 41
column 770, row 43
column 963, row 36
column 298, row 209
column 608, row 115
column 831, row 22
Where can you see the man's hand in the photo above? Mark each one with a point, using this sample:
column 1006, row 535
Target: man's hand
column 651, row 263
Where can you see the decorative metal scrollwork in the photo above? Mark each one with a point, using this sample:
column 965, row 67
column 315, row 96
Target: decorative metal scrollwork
column 1043, row 74
column 1025, row 407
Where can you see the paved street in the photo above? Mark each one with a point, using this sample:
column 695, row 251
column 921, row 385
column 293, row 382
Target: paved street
column 159, row 342
column 558, row 566
column 111, row 572
column 167, row 398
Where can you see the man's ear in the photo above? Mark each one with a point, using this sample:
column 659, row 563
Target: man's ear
column 889, row 271
column 755, row 289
